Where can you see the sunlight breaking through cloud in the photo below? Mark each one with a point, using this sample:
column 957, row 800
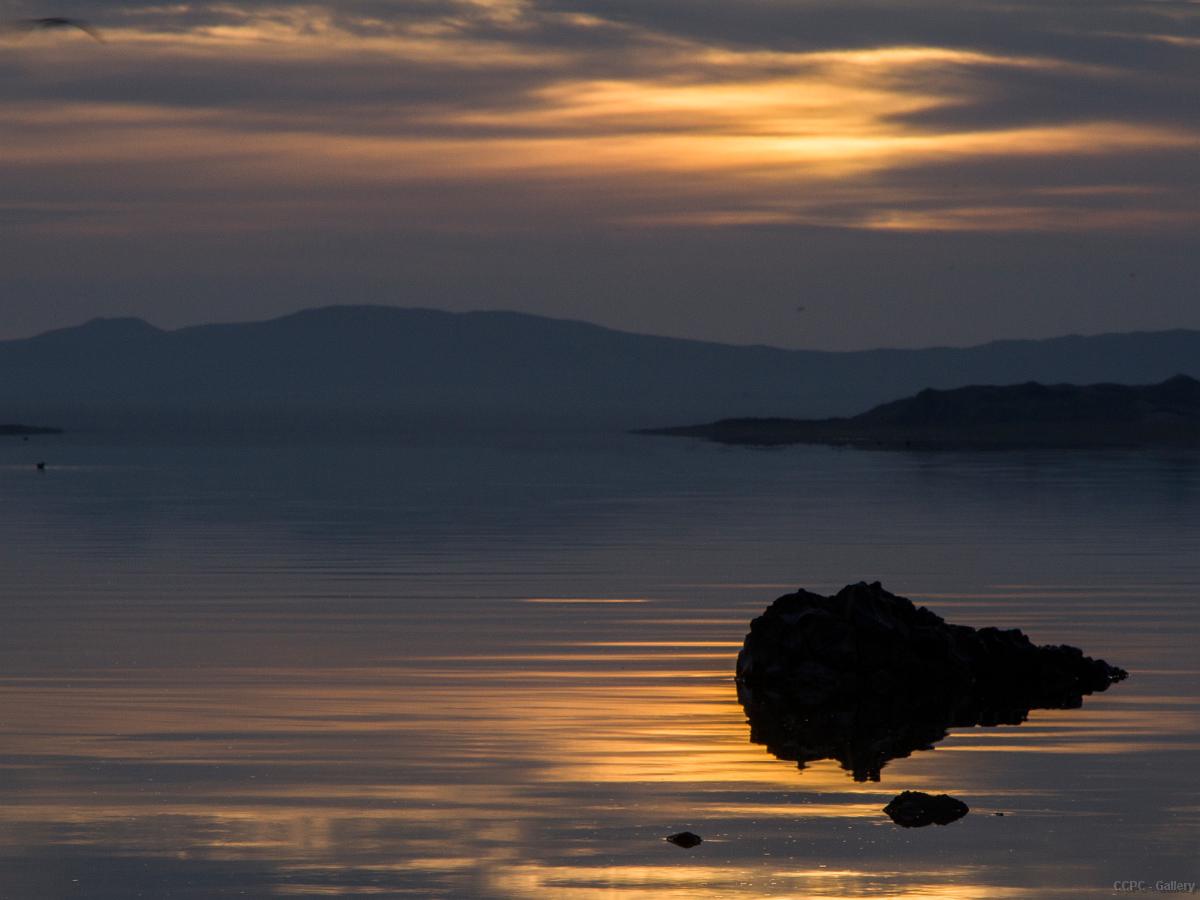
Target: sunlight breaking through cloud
column 491, row 93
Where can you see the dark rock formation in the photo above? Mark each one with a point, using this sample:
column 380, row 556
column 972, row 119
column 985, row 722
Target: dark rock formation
column 916, row 809
column 1018, row 415
column 865, row 677
column 685, row 839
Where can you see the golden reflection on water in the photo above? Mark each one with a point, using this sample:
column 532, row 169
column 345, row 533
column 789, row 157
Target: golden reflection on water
column 550, row 770
column 647, row 882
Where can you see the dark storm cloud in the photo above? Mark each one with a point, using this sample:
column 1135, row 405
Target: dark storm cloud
column 1094, row 60
column 1025, row 26
column 1156, row 91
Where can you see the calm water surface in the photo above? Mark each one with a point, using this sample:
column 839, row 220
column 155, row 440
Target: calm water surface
column 447, row 669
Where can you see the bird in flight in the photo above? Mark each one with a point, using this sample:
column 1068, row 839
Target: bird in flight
column 48, row 22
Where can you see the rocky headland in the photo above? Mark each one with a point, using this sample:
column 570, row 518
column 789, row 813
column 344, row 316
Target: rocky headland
column 1020, row 415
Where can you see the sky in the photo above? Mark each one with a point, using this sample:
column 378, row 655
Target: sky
column 810, row 173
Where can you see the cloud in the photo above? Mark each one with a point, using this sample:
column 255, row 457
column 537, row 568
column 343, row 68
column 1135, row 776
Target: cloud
column 488, row 117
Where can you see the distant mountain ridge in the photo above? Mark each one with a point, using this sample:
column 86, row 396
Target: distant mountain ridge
column 1019, row 415
column 394, row 367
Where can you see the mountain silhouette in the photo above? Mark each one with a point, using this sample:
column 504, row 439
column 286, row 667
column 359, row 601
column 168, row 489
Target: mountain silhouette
column 383, row 367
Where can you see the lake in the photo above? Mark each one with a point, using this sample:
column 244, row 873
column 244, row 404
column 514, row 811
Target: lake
column 502, row 667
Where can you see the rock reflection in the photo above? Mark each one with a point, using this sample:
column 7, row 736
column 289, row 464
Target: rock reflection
column 865, row 677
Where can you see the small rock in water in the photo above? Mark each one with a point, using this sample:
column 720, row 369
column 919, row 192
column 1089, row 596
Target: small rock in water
column 685, row 839
column 997, row 814
column 916, row 809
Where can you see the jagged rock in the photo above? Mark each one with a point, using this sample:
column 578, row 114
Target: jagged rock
column 685, row 839
column 865, row 677
column 916, row 809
